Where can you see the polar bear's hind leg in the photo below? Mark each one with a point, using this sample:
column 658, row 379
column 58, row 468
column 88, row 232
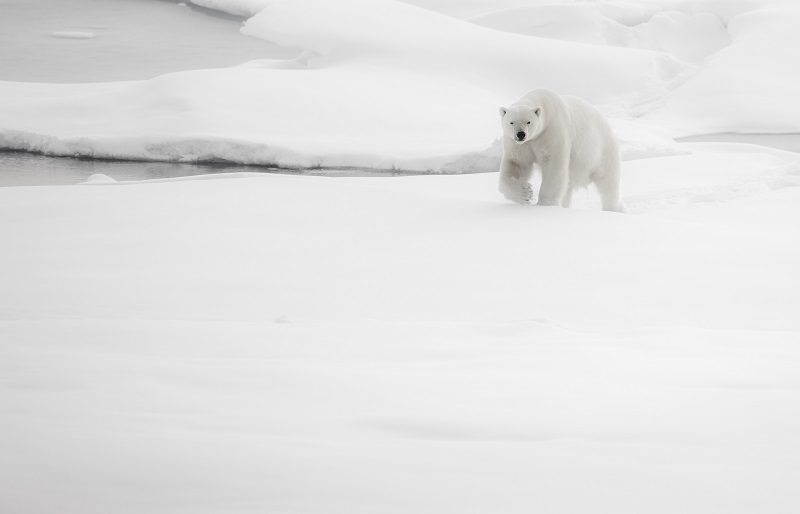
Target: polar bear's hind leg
column 610, row 194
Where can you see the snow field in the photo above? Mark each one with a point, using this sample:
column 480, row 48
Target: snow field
column 154, row 416
column 382, row 242
column 254, row 343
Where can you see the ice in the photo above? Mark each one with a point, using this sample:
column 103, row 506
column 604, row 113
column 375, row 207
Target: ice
column 134, row 40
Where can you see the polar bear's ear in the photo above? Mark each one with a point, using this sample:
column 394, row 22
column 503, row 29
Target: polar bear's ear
column 537, row 111
column 503, row 111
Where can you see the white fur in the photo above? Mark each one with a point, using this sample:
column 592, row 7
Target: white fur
column 568, row 140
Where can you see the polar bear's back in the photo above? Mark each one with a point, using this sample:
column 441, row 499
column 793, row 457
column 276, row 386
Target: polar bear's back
column 594, row 150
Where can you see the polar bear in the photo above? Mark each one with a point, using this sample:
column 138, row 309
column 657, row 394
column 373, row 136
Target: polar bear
column 568, row 140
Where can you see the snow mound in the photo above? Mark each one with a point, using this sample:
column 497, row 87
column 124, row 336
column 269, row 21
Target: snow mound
column 749, row 86
column 366, row 92
column 581, row 23
column 99, row 178
column 690, row 37
column 389, row 85
column 450, row 49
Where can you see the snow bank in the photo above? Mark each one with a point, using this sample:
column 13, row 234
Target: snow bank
column 445, row 48
column 744, row 77
column 690, row 37
column 366, row 92
column 245, row 8
column 749, row 86
column 389, row 85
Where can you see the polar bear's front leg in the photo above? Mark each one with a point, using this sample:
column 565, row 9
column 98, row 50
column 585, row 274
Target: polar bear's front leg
column 554, row 189
column 515, row 181
column 555, row 180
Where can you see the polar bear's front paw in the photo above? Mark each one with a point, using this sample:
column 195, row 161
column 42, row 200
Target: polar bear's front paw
column 526, row 193
column 522, row 194
column 517, row 192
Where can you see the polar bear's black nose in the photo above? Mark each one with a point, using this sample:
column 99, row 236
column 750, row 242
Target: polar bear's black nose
column 520, row 135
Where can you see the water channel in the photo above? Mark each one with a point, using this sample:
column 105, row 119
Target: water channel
column 26, row 169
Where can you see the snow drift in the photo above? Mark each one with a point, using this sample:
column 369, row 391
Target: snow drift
column 385, row 84
column 365, row 92
column 748, row 86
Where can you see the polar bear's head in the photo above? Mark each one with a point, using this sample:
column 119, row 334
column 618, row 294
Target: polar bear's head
column 520, row 121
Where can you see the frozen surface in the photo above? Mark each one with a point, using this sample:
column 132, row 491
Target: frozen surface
column 112, row 40
column 297, row 344
column 254, row 343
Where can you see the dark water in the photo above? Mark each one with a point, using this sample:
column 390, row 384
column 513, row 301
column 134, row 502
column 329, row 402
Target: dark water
column 25, row 169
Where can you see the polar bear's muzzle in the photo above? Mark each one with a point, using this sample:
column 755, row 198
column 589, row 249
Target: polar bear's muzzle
column 521, row 136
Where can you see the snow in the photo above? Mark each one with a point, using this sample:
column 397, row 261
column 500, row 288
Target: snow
column 74, row 35
column 99, row 178
column 246, row 8
column 447, row 351
column 690, row 37
column 251, row 342
column 747, row 86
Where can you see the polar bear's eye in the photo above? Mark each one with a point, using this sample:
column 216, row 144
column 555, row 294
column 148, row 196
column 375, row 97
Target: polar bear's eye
column 512, row 122
column 529, row 123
